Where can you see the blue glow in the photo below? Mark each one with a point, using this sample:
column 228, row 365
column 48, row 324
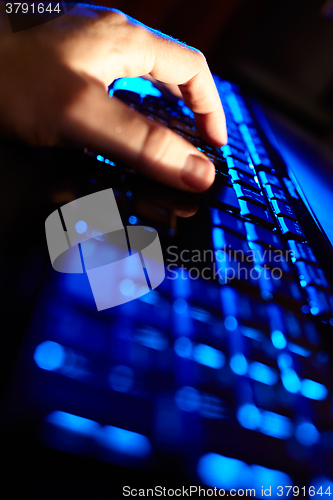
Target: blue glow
column 138, row 85
column 230, row 323
column 278, row 339
column 314, row 310
column 218, row 239
column 132, row 219
column 262, row 373
column 72, row 423
column 188, row 399
column 305, row 309
column 307, row 434
column 100, row 158
column 238, row 364
column 313, row 390
column 290, row 381
column 150, row 337
column 284, row 361
column 297, row 349
column 180, row 306
column 276, row 425
column 223, row 472
column 249, row 416
column 121, row 378
column 183, row 347
column 81, row 227
column 323, row 357
column 208, row 356
column 125, row 442
column 200, row 314
column 49, row 355
column 269, row 478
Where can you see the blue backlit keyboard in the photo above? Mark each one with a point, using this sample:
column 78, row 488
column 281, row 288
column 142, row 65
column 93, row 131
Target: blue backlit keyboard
column 222, row 372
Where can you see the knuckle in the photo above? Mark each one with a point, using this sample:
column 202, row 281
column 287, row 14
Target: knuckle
column 156, row 144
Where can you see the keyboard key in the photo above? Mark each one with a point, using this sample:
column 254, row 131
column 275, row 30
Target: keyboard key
column 220, row 163
column 128, row 96
column 311, row 275
column 222, row 195
column 209, row 149
column 319, row 301
column 183, row 127
column 228, row 242
column 229, row 270
column 240, row 166
column 244, row 193
column 260, row 160
column 187, row 137
column 256, row 213
column 272, row 258
column 291, row 229
column 302, row 252
column 236, row 143
column 228, row 221
column 267, row 178
column 274, row 193
column 290, row 188
column 243, row 179
column 283, row 210
column 261, row 235
column 272, row 285
column 235, row 153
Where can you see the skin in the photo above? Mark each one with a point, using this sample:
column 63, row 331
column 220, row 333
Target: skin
column 53, row 92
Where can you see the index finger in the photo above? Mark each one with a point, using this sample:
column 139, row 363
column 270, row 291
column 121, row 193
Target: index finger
column 173, row 62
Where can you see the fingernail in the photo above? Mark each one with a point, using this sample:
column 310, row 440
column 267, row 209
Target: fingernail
column 198, row 173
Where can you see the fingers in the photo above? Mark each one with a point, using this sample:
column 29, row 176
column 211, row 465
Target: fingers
column 126, row 48
column 175, row 63
column 112, row 128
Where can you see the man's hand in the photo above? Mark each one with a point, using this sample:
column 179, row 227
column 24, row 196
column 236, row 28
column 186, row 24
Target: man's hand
column 53, row 91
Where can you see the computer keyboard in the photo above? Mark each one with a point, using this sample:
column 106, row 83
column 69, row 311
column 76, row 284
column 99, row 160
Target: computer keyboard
column 224, row 369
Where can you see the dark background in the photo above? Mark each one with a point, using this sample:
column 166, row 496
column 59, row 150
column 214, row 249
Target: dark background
column 281, row 49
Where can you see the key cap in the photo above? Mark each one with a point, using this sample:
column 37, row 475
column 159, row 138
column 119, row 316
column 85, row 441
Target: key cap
column 272, row 258
column 319, row 301
column 229, row 270
column 183, row 127
column 228, row 242
column 256, row 213
column 243, row 179
column 267, row 178
column 244, row 193
column 236, row 143
column 228, row 221
column 260, row 160
column 208, row 149
column 220, row 163
column 271, row 283
column 291, row 229
column 235, row 153
column 222, row 195
column 128, row 96
column 261, row 235
column 311, row 275
column 187, row 137
column 240, row 166
column 283, row 210
column 274, row 193
column 301, row 252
